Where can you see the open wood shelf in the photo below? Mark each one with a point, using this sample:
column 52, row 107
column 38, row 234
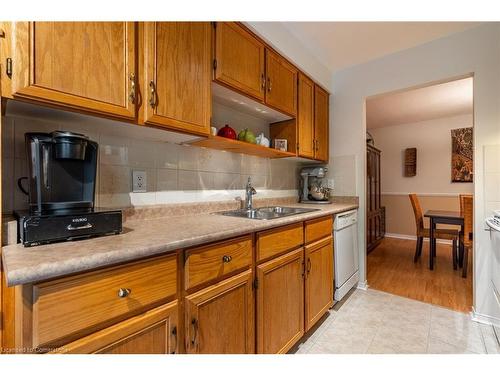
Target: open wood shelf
column 231, row 145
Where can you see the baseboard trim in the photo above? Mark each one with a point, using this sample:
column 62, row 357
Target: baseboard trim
column 413, row 238
column 363, row 285
column 483, row 318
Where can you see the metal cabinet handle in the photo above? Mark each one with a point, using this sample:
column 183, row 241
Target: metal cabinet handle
column 309, row 265
column 269, row 85
column 174, row 334
column 263, row 82
column 152, row 96
column 8, row 67
column 124, row 292
column 86, row 226
column 194, row 323
column 131, row 96
column 227, row 258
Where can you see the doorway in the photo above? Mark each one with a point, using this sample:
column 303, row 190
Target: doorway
column 419, row 140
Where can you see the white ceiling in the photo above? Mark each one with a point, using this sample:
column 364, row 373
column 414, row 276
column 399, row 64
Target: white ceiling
column 422, row 104
column 341, row 44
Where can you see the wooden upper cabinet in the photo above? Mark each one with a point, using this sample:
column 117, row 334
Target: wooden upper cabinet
column 239, row 59
column 321, row 122
column 82, row 65
column 319, row 280
column 220, row 318
column 280, row 303
column 281, row 85
column 305, row 117
column 176, row 66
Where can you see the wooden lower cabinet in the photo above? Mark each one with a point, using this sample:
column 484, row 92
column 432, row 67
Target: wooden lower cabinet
column 319, row 280
column 280, row 302
column 153, row 332
column 220, row 318
column 259, row 304
column 72, row 307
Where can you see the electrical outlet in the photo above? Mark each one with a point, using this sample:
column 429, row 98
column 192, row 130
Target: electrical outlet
column 139, row 183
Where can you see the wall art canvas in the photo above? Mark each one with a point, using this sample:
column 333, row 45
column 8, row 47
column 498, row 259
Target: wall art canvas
column 461, row 155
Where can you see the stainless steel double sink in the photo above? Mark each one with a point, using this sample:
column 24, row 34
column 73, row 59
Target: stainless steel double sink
column 267, row 213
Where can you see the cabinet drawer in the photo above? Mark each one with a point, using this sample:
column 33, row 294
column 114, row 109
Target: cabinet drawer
column 317, row 229
column 71, row 307
column 211, row 262
column 275, row 241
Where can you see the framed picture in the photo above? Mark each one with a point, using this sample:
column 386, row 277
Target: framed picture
column 281, row 144
column 462, row 155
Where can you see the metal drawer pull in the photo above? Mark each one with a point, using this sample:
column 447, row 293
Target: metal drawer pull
column 152, row 96
column 131, row 96
column 86, row 226
column 124, row 292
column 194, row 323
column 308, row 265
column 227, row 258
column 174, row 334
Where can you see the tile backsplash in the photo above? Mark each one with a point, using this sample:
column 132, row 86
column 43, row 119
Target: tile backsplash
column 174, row 172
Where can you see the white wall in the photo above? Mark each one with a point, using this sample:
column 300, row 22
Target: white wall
column 474, row 51
column 433, row 142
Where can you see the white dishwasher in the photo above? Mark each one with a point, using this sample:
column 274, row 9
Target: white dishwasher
column 346, row 252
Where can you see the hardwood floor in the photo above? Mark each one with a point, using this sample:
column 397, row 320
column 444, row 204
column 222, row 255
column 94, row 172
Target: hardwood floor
column 390, row 268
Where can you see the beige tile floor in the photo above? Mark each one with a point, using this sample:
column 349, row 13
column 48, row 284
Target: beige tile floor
column 376, row 322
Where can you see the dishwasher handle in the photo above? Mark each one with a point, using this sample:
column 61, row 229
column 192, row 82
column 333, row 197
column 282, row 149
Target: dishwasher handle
column 345, row 220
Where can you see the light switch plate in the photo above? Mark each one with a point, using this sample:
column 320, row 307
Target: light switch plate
column 139, row 183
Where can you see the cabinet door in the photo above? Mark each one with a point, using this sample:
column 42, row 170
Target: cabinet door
column 220, row 318
column 281, row 83
column 154, row 332
column 305, row 117
column 321, row 123
column 319, row 280
column 280, row 303
column 82, row 65
column 176, row 63
column 240, row 59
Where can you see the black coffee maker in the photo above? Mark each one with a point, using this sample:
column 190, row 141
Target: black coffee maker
column 62, row 174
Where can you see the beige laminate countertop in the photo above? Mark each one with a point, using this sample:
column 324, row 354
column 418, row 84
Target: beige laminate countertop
column 139, row 239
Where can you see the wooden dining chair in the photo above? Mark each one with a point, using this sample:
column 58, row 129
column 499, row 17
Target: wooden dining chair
column 466, row 210
column 462, row 196
column 422, row 232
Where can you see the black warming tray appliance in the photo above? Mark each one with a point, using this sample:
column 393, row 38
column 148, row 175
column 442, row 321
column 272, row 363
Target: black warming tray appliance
column 42, row 229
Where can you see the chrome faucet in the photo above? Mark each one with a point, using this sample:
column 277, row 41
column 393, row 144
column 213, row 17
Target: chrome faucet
column 249, row 192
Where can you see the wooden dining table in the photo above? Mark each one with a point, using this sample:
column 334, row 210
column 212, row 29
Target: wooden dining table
column 441, row 217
